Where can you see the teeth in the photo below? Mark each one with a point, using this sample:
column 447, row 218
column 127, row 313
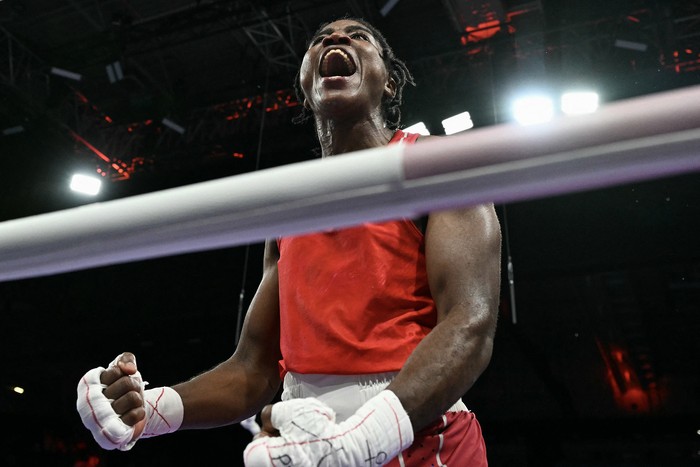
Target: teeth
column 342, row 54
column 345, row 57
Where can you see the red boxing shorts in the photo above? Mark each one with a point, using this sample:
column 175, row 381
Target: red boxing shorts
column 455, row 440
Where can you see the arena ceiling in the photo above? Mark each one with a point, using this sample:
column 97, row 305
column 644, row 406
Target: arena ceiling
column 214, row 68
column 175, row 92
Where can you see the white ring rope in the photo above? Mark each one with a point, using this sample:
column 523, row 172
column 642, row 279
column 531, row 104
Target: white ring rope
column 639, row 139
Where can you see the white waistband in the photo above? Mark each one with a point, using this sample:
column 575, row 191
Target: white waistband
column 343, row 393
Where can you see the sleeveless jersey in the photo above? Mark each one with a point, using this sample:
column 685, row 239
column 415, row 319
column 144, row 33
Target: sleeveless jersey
column 354, row 300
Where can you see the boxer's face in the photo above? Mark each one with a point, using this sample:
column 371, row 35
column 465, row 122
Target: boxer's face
column 343, row 72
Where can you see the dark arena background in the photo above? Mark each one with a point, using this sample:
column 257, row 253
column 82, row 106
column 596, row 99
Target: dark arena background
column 597, row 353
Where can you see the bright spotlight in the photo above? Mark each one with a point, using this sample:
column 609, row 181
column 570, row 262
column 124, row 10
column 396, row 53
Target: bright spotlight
column 85, row 184
column 419, row 128
column 457, row 123
column 533, row 109
column 579, row 102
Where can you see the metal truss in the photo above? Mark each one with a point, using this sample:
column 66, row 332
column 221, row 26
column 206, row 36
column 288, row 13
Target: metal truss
column 584, row 46
column 123, row 148
column 274, row 38
column 685, row 56
column 211, row 132
column 279, row 21
column 23, row 72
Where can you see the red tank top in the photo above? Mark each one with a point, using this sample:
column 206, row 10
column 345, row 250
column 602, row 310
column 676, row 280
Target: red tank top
column 354, row 300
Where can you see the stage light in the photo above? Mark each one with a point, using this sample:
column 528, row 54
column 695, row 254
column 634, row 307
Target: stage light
column 85, row 184
column 419, row 128
column 114, row 72
column 66, row 74
column 457, row 123
column 579, row 102
column 13, row 130
column 631, row 45
column 173, row 126
column 533, row 109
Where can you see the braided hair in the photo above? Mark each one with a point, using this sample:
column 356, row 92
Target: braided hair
column 398, row 71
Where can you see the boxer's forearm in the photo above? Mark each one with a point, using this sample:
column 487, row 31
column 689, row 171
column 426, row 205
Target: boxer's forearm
column 224, row 395
column 442, row 368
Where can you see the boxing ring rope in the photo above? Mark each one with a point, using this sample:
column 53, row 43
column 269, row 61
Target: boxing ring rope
column 634, row 140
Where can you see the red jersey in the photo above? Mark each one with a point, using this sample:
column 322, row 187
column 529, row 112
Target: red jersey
column 354, row 300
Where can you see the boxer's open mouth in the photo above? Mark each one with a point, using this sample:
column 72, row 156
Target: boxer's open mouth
column 336, row 62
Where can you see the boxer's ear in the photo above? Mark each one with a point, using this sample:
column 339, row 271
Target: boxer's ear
column 390, row 88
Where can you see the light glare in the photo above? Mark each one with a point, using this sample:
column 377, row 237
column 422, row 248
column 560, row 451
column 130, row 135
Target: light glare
column 85, row 184
column 18, row 390
column 579, row 102
column 456, row 123
column 419, row 128
column 533, row 109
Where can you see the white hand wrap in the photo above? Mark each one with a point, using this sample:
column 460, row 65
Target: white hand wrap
column 251, row 425
column 164, row 412
column 309, row 436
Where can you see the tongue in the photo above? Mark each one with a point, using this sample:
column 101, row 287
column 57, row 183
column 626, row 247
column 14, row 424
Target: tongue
column 336, row 65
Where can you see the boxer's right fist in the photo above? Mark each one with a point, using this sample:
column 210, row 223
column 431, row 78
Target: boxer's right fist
column 111, row 403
